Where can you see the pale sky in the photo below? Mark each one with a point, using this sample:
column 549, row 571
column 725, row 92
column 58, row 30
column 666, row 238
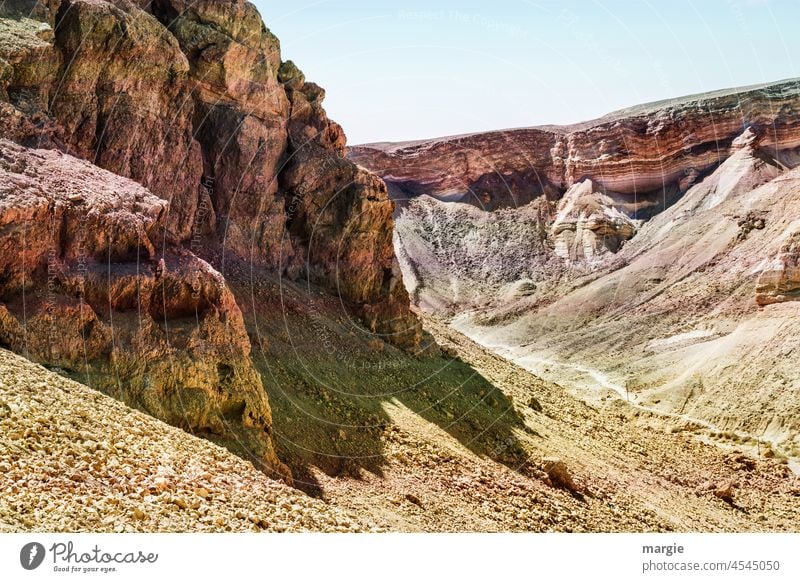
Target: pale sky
column 414, row 69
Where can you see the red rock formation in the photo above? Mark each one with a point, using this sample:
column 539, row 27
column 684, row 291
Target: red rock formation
column 235, row 157
column 191, row 100
column 86, row 294
column 593, row 184
column 647, row 155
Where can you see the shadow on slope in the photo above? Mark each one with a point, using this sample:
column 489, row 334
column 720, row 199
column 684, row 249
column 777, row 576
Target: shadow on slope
column 328, row 382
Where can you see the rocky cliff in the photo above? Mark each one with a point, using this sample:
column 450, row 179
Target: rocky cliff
column 646, row 156
column 659, row 259
column 592, row 184
column 201, row 147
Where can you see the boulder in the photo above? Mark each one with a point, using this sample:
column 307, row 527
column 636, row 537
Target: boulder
column 558, row 473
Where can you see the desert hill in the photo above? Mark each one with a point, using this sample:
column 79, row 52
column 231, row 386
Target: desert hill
column 659, row 262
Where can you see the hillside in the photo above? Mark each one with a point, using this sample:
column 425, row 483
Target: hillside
column 687, row 306
column 72, row 459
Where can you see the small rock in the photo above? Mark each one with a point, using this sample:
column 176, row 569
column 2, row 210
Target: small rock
column 202, row 492
column 535, row 405
column 413, row 499
column 725, row 491
column 558, row 473
column 745, row 462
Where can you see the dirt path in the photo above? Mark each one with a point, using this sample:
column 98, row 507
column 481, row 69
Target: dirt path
column 594, row 387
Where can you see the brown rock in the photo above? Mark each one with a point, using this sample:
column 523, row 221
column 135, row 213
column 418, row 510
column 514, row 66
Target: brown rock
column 224, row 144
column 202, row 492
column 558, row 473
column 589, row 224
column 170, row 340
column 206, row 116
column 725, row 491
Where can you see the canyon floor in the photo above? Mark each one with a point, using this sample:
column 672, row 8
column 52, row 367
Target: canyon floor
column 631, row 470
column 74, row 460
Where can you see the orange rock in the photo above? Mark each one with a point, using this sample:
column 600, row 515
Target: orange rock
column 210, row 146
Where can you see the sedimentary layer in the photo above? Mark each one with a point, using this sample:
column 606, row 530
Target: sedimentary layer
column 647, row 155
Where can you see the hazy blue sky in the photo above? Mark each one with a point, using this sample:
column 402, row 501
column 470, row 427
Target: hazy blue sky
column 413, row 68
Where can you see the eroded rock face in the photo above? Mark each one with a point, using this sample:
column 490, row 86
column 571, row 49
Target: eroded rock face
column 233, row 155
column 28, row 65
column 591, row 187
column 239, row 116
column 85, row 289
column 779, row 280
column 339, row 217
column 456, row 257
column 589, row 224
column 192, row 100
column 646, row 156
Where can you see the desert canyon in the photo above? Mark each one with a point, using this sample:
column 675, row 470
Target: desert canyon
column 214, row 316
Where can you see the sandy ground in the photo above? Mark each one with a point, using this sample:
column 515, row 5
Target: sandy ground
column 595, row 387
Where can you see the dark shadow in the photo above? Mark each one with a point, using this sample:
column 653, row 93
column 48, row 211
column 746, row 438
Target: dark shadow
column 329, row 383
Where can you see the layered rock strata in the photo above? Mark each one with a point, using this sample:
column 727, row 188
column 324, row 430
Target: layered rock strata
column 645, row 156
column 590, row 187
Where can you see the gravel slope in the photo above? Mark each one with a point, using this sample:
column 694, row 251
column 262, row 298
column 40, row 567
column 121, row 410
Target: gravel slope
column 72, row 459
column 632, row 471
